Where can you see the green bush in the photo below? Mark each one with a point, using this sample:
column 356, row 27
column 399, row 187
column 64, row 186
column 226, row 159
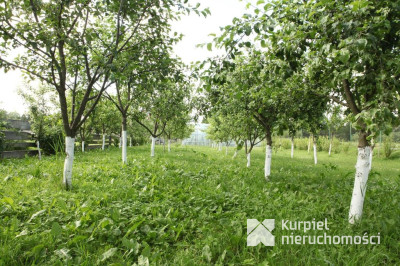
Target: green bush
column 286, row 143
column 388, row 146
column 52, row 141
column 301, row 144
column 345, row 147
column 2, row 137
column 323, row 144
column 336, row 145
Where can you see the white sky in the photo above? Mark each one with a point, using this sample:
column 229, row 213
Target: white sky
column 195, row 29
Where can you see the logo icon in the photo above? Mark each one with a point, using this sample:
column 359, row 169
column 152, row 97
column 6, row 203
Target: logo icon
column 260, row 232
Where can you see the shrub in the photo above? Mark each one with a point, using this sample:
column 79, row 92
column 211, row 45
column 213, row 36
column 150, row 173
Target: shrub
column 2, row 137
column 345, row 147
column 301, row 144
column 52, row 141
column 323, row 144
column 286, row 143
column 388, row 146
column 336, row 145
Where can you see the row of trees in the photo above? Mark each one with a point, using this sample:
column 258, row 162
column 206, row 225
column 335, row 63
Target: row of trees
column 291, row 62
column 85, row 48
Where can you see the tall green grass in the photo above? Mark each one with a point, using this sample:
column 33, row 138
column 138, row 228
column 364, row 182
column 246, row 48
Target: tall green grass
column 189, row 207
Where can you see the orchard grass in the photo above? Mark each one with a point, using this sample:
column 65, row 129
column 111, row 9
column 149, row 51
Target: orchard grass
column 189, row 207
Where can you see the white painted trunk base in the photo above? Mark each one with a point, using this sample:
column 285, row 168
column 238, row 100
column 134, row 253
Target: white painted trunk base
column 234, row 155
column 169, row 145
column 315, row 153
column 292, row 151
column 103, row 144
column 248, row 159
column 153, row 145
column 330, row 148
column 219, row 146
column 38, row 148
column 68, row 163
column 370, row 159
column 83, row 146
column 268, row 156
column 124, row 146
column 360, row 184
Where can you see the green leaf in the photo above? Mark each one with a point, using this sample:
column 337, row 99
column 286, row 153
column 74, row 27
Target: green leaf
column 263, row 44
column 56, row 229
column 9, row 201
column 344, row 55
column 108, row 254
column 207, row 253
column 209, row 46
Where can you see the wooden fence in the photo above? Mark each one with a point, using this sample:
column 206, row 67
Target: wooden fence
column 20, row 140
column 96, row 142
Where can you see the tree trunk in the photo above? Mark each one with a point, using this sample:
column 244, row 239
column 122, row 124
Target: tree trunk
column 109, row 140
column 83, row 146
column 124, row 146
column 103, row 144
column 309, row 145
column 234, row 155
column 226, row 150
column 315, row 149
column 219, row 146
column 292, row 151
column 169, row 145
column 268, row 155
column 370, row 159
column 120, row 143
column 361, row 178
column 248, row 159
column 124, row 140
column 153, row 144
column 38, row 148
column 330, row 146
column 68, row 163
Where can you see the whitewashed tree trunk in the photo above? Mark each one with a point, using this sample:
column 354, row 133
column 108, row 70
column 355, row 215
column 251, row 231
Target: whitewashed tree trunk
column 153, row 145
column 124, row 146
column 292, row 151
column 219, row 146
column 169, row 145
column 234, row 155
column 68, row 163
column 268, row 156
column 83, row 146
column 315, row 153
column 360, row 184
column 38, row 148
column 248, row 159
column 370, row 159
column 330, row 148
column 103, row 144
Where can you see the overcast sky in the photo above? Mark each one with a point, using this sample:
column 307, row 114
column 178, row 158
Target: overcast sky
column 195, row 29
